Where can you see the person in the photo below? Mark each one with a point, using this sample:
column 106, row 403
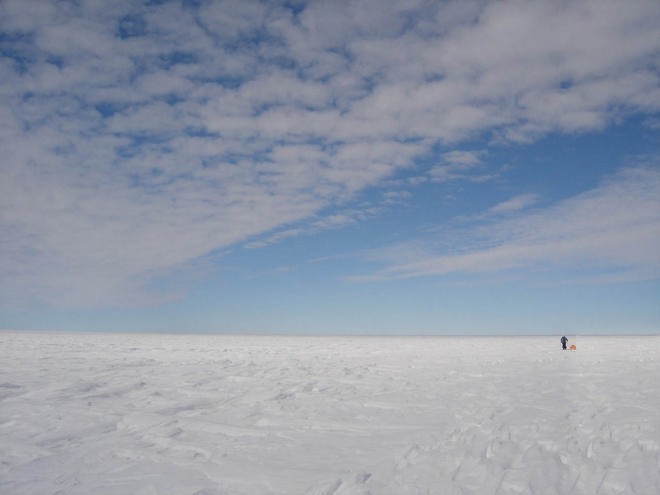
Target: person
column 564, row 340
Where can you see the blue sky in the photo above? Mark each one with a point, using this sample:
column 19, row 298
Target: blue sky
column 351, row 167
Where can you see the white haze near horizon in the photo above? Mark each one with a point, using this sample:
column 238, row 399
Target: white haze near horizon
column 232, row 415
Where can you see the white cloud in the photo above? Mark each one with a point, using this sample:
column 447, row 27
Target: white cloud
column 467, row 158
column 460, row 165
column 514, row 204
column 609, row 233
column 138, row 138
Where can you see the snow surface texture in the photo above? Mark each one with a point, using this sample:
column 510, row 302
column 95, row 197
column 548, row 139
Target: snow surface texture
column 154, row 414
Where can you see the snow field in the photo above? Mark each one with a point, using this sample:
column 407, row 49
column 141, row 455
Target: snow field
column 230, row 415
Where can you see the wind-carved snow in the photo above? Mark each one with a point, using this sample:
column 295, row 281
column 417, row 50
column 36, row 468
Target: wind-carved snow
column 202, row 415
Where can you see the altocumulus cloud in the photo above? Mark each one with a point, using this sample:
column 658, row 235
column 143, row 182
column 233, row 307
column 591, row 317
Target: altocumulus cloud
column 139, row 137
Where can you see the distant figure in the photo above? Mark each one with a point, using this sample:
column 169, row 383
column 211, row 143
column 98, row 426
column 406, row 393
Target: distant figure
column 564, row 340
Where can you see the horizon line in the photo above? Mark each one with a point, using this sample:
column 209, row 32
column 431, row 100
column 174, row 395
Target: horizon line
column 347, row 335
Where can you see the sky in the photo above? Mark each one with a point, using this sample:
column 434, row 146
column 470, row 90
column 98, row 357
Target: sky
column 347, row 167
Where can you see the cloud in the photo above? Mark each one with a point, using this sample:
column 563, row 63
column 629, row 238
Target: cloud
column 607, row 234
column 459, row 165
column 514, row 204
column 139, row 138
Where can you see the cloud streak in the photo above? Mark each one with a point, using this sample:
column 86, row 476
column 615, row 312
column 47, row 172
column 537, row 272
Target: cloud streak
column 610, row 233
column 138, row 138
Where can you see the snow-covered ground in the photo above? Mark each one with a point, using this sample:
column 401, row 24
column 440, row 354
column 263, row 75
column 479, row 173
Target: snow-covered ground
column 164, row 414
